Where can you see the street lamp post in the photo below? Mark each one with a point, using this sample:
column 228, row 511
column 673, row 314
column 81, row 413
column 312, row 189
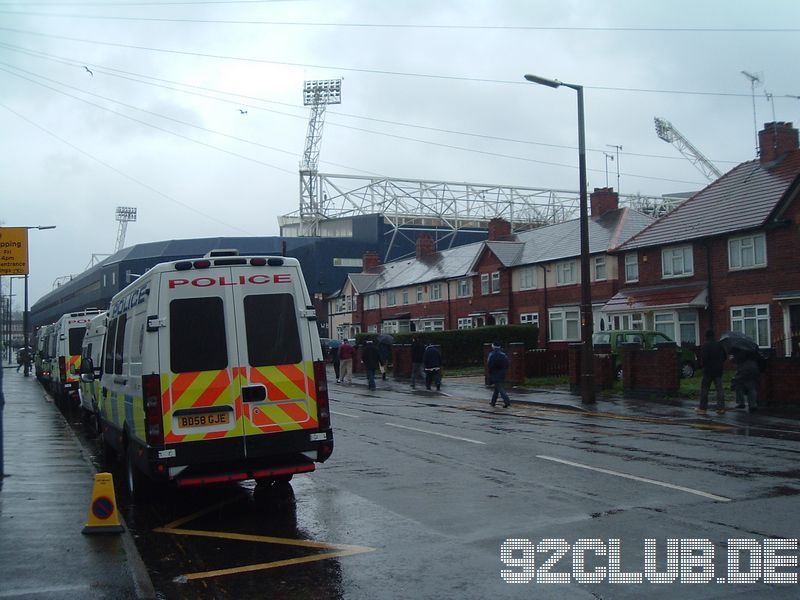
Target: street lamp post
column 25, row 317
column 587, row 358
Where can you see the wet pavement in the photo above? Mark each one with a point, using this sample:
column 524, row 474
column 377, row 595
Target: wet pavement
column 420, row 494
column 44, row 505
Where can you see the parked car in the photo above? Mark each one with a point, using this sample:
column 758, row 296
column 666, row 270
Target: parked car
column 646, row 340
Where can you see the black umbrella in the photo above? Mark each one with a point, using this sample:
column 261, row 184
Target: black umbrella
column 385, row 338
column 735, row 342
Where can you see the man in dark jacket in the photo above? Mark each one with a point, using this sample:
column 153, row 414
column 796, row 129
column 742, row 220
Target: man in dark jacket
column 712, row 359
column 746, row 380
column 417, row 358
column 497, row 363
column 432, row 360
column 371, row 359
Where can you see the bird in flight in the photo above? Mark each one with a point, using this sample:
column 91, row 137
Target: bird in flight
column 88, row 70
column 244, row 112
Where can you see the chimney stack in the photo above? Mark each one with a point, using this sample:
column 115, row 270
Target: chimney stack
column 775, row 140
column 371, row 262
column 603, row 200
column 425, row 245
column 499, row 229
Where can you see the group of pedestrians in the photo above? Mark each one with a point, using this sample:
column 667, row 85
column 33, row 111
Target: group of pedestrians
column 745, row 382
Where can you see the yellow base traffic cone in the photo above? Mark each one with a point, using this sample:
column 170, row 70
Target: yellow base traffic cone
column 103, row 517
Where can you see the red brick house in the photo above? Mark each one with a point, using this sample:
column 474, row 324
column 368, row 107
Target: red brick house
column 727, row 259
column 531, row 277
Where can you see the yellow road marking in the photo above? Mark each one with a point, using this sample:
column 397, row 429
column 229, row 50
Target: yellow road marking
column 271, row 565
column 339, row 550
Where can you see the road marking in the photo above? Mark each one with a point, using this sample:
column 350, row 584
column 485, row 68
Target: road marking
column 636, row 478
column 53, row 589
column 343, row 414
column 452, row 437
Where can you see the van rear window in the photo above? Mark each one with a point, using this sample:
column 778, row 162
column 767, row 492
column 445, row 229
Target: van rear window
column 272, row 335
column 197, row 335
column 76, row 339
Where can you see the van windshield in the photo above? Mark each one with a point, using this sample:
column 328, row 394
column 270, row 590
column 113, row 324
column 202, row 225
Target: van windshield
column 272, row 334
column 197, row 335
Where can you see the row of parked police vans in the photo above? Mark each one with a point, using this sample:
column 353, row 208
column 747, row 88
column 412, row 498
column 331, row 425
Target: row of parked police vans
column 201, row 371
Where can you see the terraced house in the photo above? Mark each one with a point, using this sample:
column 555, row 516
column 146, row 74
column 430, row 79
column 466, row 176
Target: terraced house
column 728, row 258
column 530, row 277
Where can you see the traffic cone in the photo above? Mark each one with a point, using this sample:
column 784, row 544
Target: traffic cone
column 103, row 517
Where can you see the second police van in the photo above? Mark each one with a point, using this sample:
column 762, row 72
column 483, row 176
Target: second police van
column 212, row 371
column 91, row 361
column 67, row 344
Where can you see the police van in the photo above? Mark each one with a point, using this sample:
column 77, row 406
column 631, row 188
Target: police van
column 67, row 344
column 212, row 371
column 91, row 359
column 41, row 356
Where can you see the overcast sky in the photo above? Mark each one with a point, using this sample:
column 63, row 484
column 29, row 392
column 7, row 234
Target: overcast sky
column 134, row 133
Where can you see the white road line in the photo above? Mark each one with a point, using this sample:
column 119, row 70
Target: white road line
column 452, row 437
column 635, row 478
column 343, row 414
column 53, row 589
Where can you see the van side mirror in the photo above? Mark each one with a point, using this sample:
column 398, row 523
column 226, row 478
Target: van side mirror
column 87, row 377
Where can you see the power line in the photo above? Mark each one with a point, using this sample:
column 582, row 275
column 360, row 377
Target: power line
column 175, row 3
column 113, row 72
column 403, row 26
column 405, row 138
column 353, row 69
column 121, row 173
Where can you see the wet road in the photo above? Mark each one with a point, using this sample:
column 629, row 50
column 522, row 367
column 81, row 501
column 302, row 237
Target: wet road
column 423, row 489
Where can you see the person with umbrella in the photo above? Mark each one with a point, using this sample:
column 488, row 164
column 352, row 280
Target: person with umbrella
column 712, row 358
column 746, row 355
column 385, row 342
column 371, row 358
column 432, row 361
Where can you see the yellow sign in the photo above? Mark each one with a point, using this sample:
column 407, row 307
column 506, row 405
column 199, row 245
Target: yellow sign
column 13, row 251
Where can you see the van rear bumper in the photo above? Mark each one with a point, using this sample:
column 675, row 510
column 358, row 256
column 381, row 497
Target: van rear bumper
column 239, row 458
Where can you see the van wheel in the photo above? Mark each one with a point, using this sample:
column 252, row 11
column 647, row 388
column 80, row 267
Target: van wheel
column 109, row 454
column 618, row 374
column 687, row 370
column 136, row 481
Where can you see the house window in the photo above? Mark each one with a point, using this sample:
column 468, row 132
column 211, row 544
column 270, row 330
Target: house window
column 529, row 319
column 631, row 267
column 527, row 278
column 349, row 303
column 753, row 321
column 464, row 288
column 496, row 282
column 566, row 273
column 372, row 328
column 677, row 262
column 419, row 294
column 600, row 268
column 665, row 323
column 747, row 252
column 433, row 325
column 391, row 298
column 436, row 291
column 370, row 301
column 405, row 296
column 501, row 319
column 390, row 327
column 628, row 321
column 465, row 323
column 564, row 325
column 687, row 326
column 484, row 284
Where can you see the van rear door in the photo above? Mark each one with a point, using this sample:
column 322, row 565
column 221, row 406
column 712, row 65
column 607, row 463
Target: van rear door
column 199, row 361
column 276, row 374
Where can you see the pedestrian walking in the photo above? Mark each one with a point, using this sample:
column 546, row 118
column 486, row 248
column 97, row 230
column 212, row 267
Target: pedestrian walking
column 346, row 352
column 498, row 364
column 334, row 354
column 385, row 350
column 417, row 358
column 371, row 357
column 432, row 362
column 712, row 360
column 746, row 380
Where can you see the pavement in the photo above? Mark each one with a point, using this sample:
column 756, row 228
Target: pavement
column 44, row 505
column 47, row 488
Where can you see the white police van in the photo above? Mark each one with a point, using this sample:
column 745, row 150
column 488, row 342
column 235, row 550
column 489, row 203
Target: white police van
column 212, row 371
column 91, row 359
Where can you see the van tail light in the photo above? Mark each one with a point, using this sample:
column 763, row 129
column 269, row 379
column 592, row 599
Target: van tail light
column 62, row 368
column 153, row 415
column 321, row 383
